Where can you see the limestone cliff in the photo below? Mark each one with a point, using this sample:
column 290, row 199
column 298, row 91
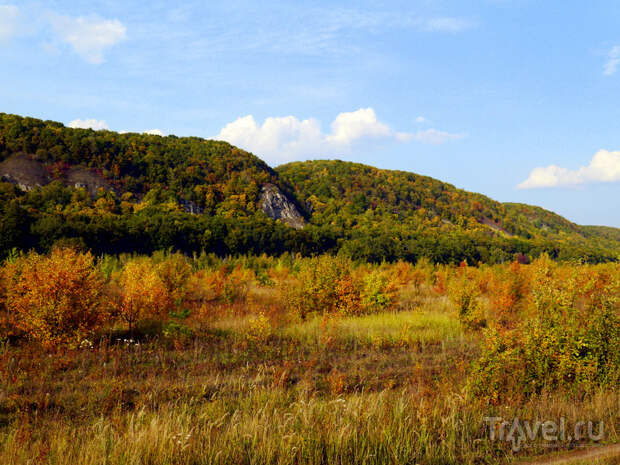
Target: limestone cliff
column 278, row 207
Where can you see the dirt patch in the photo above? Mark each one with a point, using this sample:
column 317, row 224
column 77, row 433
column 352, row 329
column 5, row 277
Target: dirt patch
column 495, row 225
column 28, row 174
column 584, row 455
column 23, row 171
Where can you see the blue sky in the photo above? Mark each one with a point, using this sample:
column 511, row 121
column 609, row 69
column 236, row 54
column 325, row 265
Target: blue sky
column 516, row 99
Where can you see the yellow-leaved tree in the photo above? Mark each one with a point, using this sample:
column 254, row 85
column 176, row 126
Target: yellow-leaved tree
column 140, row 292
column 55, row 299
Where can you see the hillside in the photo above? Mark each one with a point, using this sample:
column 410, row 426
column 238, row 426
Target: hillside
column 213, row 175
column 113, row 193
column 394, row 209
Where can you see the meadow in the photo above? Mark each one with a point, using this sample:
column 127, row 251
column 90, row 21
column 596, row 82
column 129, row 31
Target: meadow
column 169, row 359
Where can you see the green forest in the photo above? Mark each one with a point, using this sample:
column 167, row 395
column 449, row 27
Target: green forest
column 194, row 195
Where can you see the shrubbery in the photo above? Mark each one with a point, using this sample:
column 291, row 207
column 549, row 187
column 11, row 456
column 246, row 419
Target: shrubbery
column 464, row 292
column 329, row 284
column 543, row 326
column 55, row 299
column 569, row 338
column 139, row 293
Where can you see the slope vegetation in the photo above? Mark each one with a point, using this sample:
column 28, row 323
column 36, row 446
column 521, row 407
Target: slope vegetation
column 402, row 214
column 114, row 193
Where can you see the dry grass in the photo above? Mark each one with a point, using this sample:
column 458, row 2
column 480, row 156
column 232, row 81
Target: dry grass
column 249, row 382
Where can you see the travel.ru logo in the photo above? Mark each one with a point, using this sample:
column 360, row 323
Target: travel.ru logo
column 522, row 432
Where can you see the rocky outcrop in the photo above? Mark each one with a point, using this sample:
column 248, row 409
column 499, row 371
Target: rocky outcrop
column 83, row 178
column 190, row 207
column 28, row 173
column 24, row 172
column 278, row 207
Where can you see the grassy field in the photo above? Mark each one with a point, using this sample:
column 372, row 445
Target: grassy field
column 251, row 384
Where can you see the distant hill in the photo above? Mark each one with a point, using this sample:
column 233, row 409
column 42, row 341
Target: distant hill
column 363, row 200
column 113, row 192
column 211, row 174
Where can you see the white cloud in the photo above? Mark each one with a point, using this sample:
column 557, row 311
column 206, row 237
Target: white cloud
column 88, row 124
column 421, row 120
column 89, row 37
column 278, row 139
column 281, row 139
column 448, row 24
column 349, row 126
column 154, row 132
column 9, row 15
column 613, row 60
column 604, row 167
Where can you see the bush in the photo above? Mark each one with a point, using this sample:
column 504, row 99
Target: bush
column 510, row 287
column 55, row 299
column 378, row 292
column 140, row 294
column 224, row 285
column 6, row 328
column 464, row 292
column 325, row 285
column 570, row 341
column 175, row 272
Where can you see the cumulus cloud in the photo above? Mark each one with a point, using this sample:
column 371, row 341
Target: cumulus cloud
column 9, row 15
column 613, row 60
column 604, row 167
column 278, row 139
column 89, row 37
column 353, row 125
column 88, row 124
column 286, row 138
column 154, row 132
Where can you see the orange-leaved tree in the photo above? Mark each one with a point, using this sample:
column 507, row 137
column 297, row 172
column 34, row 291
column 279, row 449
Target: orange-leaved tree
column 55, row 299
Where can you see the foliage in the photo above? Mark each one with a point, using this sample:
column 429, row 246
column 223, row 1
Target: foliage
column 174, row 271
column 570, row 339
column 147, row 193
column 56, row 299
column 378, row 292
column 324, row 285
column 140, row 293
column 465, row 293
column 391, row 215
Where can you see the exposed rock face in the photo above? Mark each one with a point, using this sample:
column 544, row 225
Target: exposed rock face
column 190, row 207
column 23, row 171
column 82, row 178
column 278, row 207
column 28, row 174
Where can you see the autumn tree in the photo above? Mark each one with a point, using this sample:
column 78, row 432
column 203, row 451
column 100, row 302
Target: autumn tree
column 55, row 299
column 139, row 293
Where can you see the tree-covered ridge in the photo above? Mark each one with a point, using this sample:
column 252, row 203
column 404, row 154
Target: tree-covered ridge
column 113, row 193
column 335, row 187
column 214, row 175
column 366, row 200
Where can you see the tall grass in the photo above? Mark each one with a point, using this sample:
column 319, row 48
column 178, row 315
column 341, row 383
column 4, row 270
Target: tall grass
column 283, row 427
column 384, row 329
column 235, row 374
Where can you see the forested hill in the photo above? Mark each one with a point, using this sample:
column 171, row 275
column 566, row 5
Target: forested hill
column 205, row 172
column 113, row 193
column 386, row 204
